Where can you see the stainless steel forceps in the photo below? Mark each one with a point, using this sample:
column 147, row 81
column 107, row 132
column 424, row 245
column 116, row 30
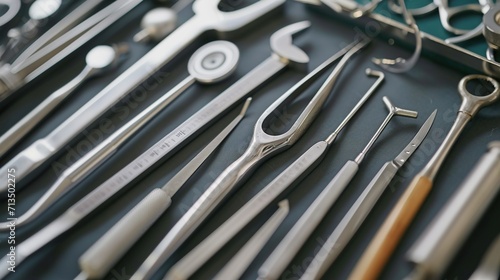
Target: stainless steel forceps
column 261, row 147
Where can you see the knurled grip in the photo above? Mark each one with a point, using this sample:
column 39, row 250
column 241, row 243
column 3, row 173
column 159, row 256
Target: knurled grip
column 100, row 258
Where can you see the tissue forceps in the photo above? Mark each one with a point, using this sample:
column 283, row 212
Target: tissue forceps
column 385, row 241
column 261, row 147
column 207, row 17
column 13, row 8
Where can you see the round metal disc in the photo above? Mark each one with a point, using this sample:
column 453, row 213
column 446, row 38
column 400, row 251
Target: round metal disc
column 214, row 61
column 42, row 9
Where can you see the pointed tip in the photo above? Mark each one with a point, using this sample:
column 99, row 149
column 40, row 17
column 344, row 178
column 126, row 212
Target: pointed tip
column 245, row 106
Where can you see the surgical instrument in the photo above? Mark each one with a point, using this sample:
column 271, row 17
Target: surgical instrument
column 446, row 13
column 262, row 146
column 489, row 269
column 277, row 262
column 358, row 212
column 99, row 60
column 378, row 252
column 285, row 54
column 424, row 10
column 211, row 63
column 485, row 7
column 59, row 42
column 13, row 7
column 293, row 173
column 207, row 17
column 401, row 65
column 99, row 258
column 491, row 31
column 158, row 23
column 39, row 13
column 240, row 262
column 435, row 248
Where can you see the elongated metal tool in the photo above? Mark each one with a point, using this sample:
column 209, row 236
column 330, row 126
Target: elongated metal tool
column 207, row 17
column 261, row 147
column 348, row 226
column 101, row 257
column 300, row 232
column 98, row 61
column 439, row 243
column 240, row 262
column 211, row 63
column 392, row 230
column 285, row 54
column 283, row 182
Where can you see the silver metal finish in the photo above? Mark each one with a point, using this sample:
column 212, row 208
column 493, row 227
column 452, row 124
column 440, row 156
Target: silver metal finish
column 261, row 147
column 446, row 13
column 351, row 222
column 401, row 65
column 298, row 169
column 207, row 17
column 13, row 7
column 163, row 148
column 276, row 263
column 101, row 257
column 431, row 44
column 93, row 159
column 471, row 104
column 491, row 27
column 424, row 10
column 99, row 60
column 442, row 239
column 240, row 262
column 489, row 269
column 156, row 25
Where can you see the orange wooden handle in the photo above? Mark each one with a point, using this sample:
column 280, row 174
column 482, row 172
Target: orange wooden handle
column 387, row 238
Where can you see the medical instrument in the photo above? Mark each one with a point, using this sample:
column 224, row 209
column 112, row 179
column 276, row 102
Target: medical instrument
column 156, row 24
column 211, row 63
column 240, row 262
column 261, row 147
column 98, row 61
column 60, row 41
column 101, row 257
column 355, row 10
column 401, row 65
column 491, row 31
column 446, row 13
column 358, row 212
column 438, row 244
column 285, row 54
column 39, row 12
column 388, row 236
column 297, row 170
column 207, row 17
column 489, row 269
column 420, row 11
column 159, row 22
column 485, row 7
column 13, row 7
column 277, row 262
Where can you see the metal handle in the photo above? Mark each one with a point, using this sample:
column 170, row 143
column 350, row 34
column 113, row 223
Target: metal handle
column 26, row 124
column 385, row 241
column 101, row 257
column 352, row 220
column 298, row 235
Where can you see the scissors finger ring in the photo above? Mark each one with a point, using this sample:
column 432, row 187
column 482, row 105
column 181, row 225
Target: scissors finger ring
column 13, row 8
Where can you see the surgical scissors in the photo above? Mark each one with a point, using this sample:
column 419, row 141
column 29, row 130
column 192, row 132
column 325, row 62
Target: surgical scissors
column 385, row 241
column 261, row 147
column 13, row 7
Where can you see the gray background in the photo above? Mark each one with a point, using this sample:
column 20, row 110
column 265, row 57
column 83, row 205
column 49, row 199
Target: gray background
column 430, row 85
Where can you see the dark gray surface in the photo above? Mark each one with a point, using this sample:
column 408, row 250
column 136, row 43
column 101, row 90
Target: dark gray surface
column 427, row 87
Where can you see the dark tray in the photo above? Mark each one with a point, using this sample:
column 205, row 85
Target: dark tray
column 430, row 85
